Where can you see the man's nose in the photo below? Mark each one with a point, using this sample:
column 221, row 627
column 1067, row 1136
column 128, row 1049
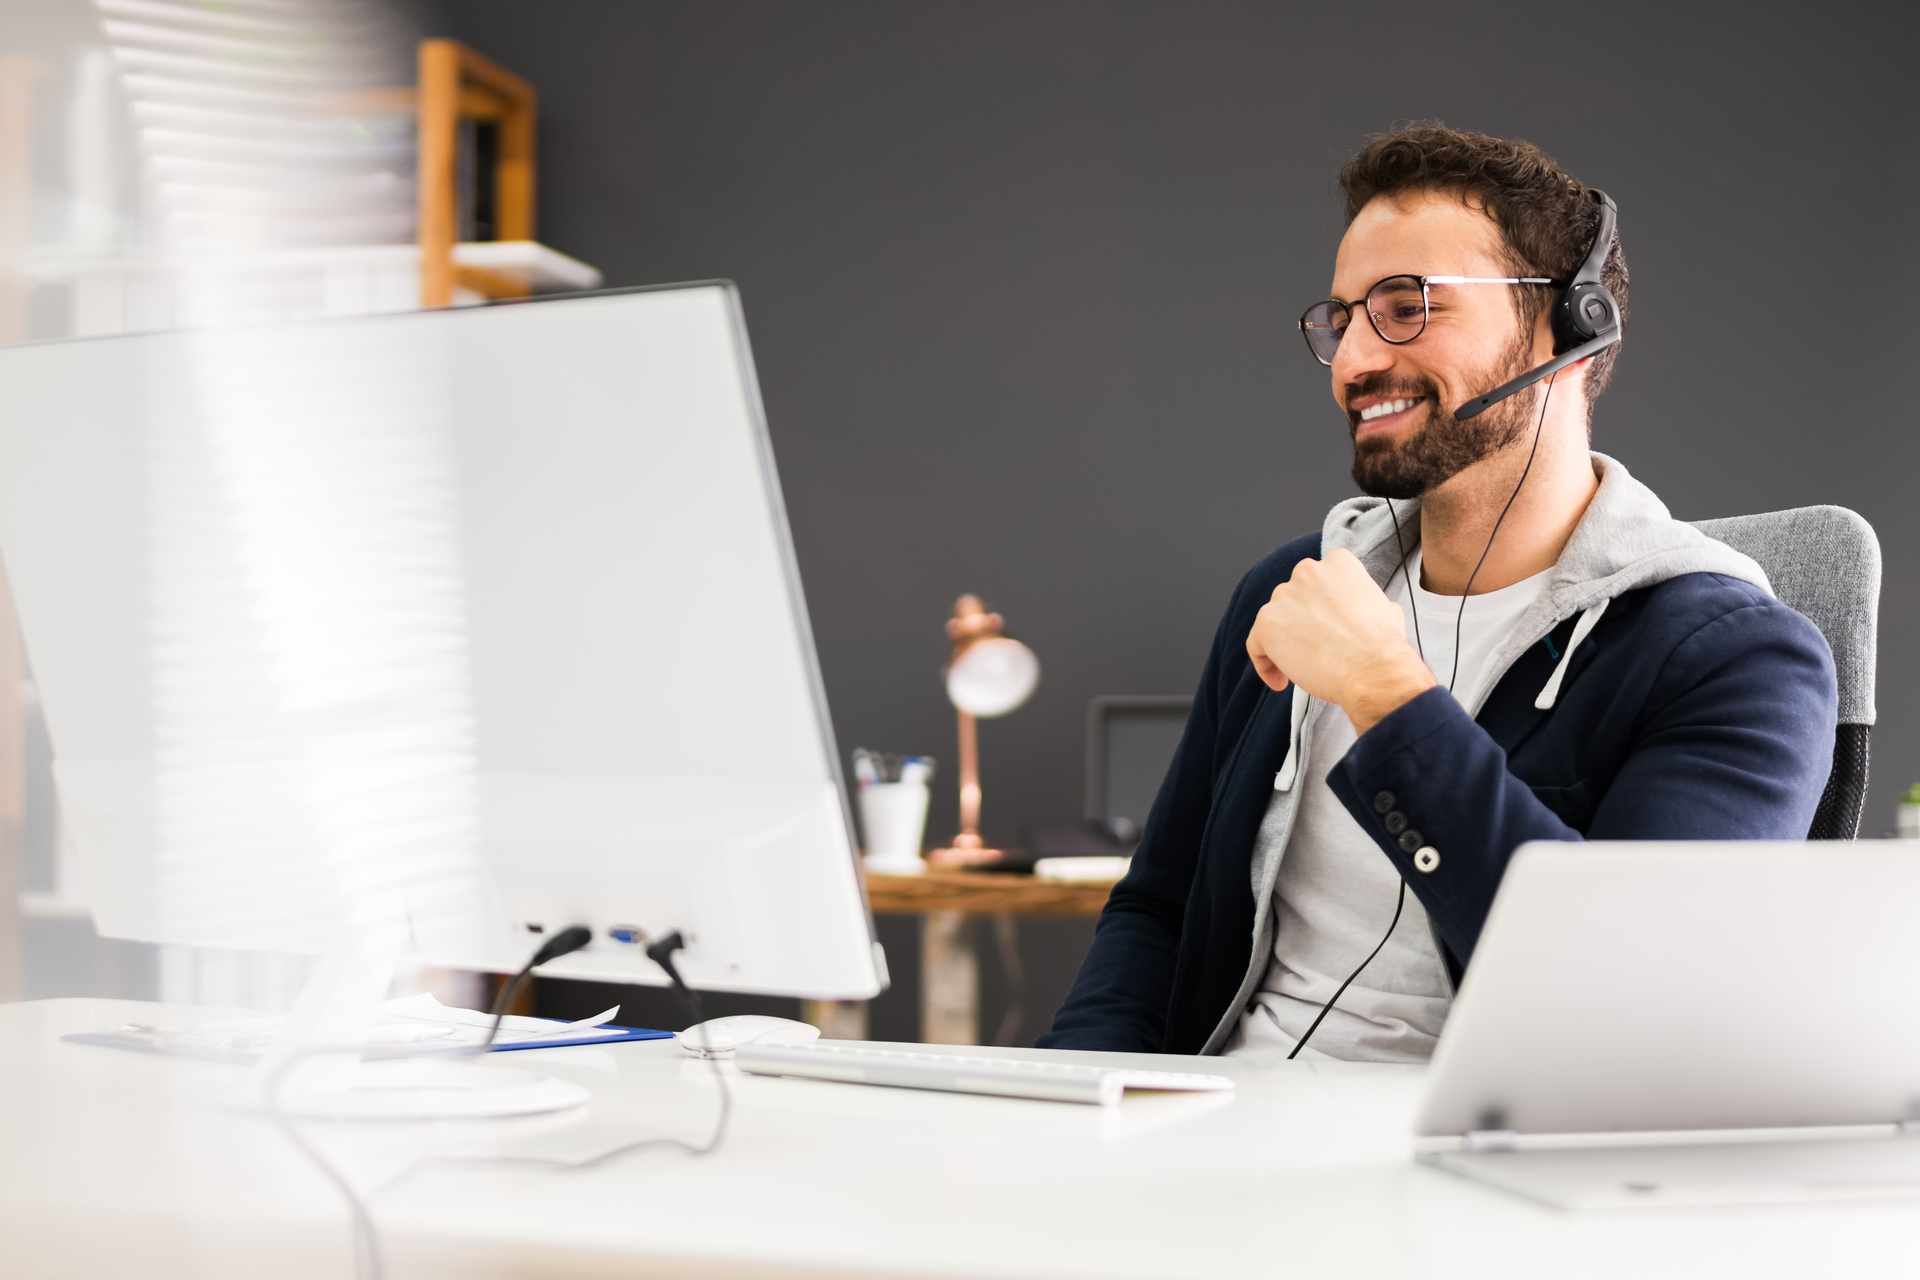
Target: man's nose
column 1362, row 352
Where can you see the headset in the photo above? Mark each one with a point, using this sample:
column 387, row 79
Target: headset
column 1586, row 321
column 1585, row 316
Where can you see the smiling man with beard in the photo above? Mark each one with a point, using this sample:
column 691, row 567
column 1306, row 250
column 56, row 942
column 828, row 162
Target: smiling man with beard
column 1509, row 639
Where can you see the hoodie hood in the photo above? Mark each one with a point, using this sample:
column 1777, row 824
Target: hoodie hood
column 1626, row 539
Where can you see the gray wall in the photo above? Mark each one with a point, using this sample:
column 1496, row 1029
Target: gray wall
column 1021, row 280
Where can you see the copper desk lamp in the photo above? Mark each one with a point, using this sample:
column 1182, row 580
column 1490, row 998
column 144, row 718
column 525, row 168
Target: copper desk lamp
column 988, row 675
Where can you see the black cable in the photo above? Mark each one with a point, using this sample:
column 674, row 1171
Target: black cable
column 661, row 953
column 368, row 1261
column 563, row 943
column 1327, row 1008
column 1400, row 542
column 1461, row 616
column 1458, row 619
column 1412, row 606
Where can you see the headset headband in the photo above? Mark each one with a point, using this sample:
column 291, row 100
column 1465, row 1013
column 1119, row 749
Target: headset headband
column 1589, row 272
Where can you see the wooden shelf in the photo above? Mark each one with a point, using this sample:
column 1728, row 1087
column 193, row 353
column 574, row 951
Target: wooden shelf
column 984, row 892
column 457, row 83
column 528, row 266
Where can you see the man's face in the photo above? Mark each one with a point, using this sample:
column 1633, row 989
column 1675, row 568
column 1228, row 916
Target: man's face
column 1399, row 399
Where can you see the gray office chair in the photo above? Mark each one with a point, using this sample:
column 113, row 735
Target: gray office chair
column 1825, row 562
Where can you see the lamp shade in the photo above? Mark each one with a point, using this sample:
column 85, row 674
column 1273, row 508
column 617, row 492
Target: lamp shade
column 992, row 677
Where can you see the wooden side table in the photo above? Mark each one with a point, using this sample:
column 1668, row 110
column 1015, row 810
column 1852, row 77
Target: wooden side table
column 985, row 891
column 949, row 962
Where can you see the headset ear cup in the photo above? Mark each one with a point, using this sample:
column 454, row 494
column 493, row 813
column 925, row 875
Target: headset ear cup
column 1582, row 313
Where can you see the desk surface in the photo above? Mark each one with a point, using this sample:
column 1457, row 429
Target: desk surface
column 122, row 1165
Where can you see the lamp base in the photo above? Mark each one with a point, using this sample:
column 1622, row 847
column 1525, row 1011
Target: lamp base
column 958, row 857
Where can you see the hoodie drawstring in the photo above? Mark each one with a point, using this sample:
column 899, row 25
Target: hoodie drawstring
column 1290, row 767
column 1581, row 630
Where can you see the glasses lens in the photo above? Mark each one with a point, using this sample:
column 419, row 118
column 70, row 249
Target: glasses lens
column 1325, row 324
column 1398, row 306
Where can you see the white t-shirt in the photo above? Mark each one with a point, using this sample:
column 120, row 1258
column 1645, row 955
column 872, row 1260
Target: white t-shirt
column 1335, row 891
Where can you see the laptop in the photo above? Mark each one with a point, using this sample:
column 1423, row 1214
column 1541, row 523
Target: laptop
column 1688, row 1022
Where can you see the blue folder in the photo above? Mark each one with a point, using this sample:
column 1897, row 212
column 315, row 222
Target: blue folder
column 626, row 1033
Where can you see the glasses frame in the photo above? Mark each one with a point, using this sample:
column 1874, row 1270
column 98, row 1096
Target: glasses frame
column 1426, row 305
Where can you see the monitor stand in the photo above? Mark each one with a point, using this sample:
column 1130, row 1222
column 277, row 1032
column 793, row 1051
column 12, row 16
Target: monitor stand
column 425, row 1089
column 315, row 1071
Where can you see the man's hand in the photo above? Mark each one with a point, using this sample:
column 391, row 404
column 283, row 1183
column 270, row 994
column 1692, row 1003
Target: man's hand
column 1332, row 631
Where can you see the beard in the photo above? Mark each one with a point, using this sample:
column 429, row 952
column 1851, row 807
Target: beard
column 1445, row 446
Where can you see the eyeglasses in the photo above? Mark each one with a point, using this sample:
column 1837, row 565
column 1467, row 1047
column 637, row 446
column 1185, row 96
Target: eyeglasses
column 1397, row 307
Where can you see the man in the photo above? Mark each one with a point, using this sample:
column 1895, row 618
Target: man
column 1509, row 640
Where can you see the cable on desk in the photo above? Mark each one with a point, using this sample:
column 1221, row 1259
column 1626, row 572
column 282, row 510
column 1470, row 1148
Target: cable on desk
column 661, row 953
column 563, row 943
column 368, row 1261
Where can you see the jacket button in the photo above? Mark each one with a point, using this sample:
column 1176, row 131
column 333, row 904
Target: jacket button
column 1410, row 840
column 1396, row 823
column 1427, row 859
column 1383, row 802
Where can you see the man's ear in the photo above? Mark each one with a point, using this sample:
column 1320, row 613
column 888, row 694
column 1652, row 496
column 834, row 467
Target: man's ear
column 1573, row 377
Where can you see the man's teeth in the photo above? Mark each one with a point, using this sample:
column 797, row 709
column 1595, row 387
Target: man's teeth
column 1386, row 407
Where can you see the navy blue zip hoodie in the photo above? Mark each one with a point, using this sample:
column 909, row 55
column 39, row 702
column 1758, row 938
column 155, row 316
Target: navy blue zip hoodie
column 1656, row 691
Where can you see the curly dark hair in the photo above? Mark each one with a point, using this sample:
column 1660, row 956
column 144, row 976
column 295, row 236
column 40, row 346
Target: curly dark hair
column 1544, row 213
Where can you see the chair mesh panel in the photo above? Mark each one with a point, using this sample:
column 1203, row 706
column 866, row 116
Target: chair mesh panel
column 1838, row 817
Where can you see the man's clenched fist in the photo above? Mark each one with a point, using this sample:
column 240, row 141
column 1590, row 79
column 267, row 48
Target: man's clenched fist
column 1333, row 632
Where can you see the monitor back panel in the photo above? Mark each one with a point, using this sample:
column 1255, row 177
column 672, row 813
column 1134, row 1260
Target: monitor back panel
column 588, row 529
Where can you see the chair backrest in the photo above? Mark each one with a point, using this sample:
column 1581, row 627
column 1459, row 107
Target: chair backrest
column 1130, row 742
column 1825, row 562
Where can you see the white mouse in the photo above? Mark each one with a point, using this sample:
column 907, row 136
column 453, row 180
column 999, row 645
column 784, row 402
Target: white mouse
column 719, row 1037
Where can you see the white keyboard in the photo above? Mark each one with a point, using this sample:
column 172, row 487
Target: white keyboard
column 956, row 1073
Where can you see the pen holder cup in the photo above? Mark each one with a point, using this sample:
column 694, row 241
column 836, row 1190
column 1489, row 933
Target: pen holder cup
column 894, row 818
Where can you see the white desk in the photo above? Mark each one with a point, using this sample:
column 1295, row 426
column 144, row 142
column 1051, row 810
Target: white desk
column 123, row 1165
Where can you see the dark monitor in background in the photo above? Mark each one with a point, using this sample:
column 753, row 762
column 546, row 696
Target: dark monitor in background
column 1131, row 739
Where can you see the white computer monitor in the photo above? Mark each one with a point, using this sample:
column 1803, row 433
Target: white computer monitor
column 492, row 610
